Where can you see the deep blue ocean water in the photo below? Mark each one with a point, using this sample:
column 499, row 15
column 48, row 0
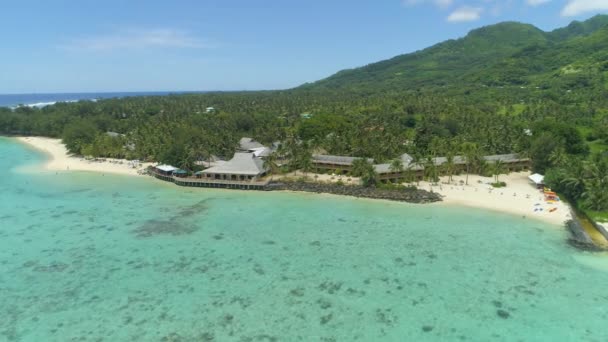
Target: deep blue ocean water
column 88, row 257
column 13, row 100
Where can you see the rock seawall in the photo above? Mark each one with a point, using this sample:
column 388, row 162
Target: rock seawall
column 600, row 228
column 400, row 195
column 579, row 237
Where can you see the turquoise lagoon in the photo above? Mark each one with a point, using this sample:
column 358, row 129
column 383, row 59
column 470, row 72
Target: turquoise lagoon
column 86, row 257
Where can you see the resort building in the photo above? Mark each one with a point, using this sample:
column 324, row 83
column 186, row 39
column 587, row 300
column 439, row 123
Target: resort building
column 210, row 161
column 511, row 162
column 249, row 144
column 335, row 164
column 385, row 173
column 242, row 167
column 165, row 170
column 406, row 159
column 342, row 164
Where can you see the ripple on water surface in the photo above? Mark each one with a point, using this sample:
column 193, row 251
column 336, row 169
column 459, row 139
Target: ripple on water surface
column 120, row 259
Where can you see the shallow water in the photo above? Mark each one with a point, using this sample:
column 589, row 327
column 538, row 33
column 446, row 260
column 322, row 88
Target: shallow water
column 91, row 257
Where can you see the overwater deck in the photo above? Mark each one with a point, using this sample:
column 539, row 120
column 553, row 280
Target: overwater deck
column 211, row 183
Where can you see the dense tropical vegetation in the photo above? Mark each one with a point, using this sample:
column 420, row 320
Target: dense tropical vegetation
column 504, row 88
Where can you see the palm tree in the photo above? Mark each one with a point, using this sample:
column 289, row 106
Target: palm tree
column 450, row 166
column 270, row 163
column 358, row 167
column 418, row 162
column 481, row 165
column 397, row 167
column 574, row 180
column 365, row 170
column 596, row 183
column 470, row 151
column 409, row 174
column 305, row 160
column 436, row 146
column 497, row 168
column 370, row 177
column 430, row 170
column 290, row 150
column 559, row 157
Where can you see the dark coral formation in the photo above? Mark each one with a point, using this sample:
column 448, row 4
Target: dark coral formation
column 52, row 268
column 402, row 195
column 175, row 225
column 503, row 314
column 159, row 227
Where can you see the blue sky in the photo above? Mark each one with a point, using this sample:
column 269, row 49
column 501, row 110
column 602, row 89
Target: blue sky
column 137, row 45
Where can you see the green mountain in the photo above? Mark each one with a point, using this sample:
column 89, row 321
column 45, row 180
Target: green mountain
column 577, row 28
column 508, row 54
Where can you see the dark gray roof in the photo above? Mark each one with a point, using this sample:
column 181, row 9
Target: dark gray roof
column 383, row 168
column 406, row 159
column 240, row 164
column 261, row 152
column 506, row 158
column 213, row 160
column 247, row 144
column 409, row 164
column 458, row 160
column 337, row 160
column 386, row 168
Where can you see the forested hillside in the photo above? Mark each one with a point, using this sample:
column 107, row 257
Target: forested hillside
column 499, row 56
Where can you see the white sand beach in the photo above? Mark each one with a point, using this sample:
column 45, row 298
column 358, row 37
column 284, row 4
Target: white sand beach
column 61, row 161
column 519, row 197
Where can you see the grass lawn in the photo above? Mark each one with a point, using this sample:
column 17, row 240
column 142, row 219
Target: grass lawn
column 513, row 110
column 597, row 215
column 595, row 146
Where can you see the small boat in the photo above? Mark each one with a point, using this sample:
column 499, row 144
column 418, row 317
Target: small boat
column 552, row 210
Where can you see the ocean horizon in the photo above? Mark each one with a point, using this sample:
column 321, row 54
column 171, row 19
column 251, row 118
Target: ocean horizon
column 103, row 257
column 45, row 99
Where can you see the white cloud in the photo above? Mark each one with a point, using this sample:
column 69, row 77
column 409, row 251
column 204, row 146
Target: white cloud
column 464, row 14
column 438, row 3
column 138, row 39
column 536, row 2
column 499, row 7
column 576, row 7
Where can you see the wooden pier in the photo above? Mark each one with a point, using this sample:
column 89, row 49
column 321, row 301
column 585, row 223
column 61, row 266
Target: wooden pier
column 211, row 183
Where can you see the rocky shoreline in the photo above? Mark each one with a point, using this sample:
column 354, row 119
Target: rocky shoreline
column 400, row 195
column 579, row 237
